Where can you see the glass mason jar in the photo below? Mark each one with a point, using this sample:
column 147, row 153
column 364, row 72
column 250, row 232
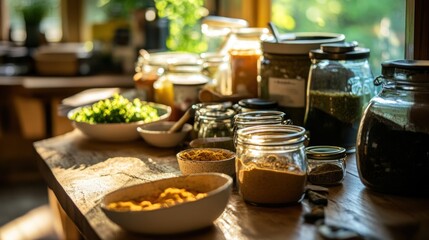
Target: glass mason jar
column 326, row 165
column 215, row 123
column 393, row 136
column 271, row 164
column 340, row 86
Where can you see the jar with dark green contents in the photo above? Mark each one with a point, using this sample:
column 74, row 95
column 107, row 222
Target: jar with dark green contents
column 340, row 86
column 284, row 70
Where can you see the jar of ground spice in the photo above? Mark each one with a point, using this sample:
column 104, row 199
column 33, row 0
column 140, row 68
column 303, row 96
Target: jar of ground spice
column 326, row 164
column 271, row 164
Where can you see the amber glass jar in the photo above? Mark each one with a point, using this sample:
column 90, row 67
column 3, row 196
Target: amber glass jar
column 393, row 135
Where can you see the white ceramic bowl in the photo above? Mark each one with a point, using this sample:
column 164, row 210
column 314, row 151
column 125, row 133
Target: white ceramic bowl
column 180, row 218
column 117, row 132
column 156, row 134
column 189, row 166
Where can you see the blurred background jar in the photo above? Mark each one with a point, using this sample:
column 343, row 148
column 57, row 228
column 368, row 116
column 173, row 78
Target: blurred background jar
column 179, row 87
column 284, row 69
column 216, row 30
column 244, row 49
column 151, row 66
column 340, row 87
column 393, row 136
column 271, row 164
column 200, row 109
column 216, row 67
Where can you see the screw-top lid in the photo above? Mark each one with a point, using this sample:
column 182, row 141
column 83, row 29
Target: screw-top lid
column 340, row 51
column 325, row 152
column 257, row 103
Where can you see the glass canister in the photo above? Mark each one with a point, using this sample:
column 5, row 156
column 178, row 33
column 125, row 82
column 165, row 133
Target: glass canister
column 326, row 165
column 340, row 86
column 271, row 164
column 284, row 70
column 393, row 136
column 179, row 87
column 244, row 49
column 215, row 122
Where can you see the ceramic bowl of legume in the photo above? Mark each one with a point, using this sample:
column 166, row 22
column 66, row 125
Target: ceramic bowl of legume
column 198, row 160
column 116, row 119
column 170, row 205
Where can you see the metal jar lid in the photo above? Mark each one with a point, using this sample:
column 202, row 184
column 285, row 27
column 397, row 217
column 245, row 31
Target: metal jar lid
column 299, row 43
column 257, row 104
column 340, row 51
column 325, row 152
column 407, row 71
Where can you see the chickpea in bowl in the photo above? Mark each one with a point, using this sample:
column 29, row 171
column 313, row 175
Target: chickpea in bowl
column 168, row 211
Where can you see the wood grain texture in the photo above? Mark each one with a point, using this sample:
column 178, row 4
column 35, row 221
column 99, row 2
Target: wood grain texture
column 81, row 171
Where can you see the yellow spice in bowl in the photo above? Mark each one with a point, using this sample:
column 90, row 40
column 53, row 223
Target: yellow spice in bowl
column 205, row 155
column 169, row 197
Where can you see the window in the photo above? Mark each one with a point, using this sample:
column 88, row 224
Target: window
column 50, row 25
column 377, row 25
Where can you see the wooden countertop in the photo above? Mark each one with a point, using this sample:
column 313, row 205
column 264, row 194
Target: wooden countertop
column 81, row 171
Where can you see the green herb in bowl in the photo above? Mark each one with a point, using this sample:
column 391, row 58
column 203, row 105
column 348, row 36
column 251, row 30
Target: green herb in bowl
column 116, row 110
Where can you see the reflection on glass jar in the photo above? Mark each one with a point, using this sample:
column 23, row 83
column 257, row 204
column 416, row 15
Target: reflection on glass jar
column 393, row 136
column 340, row 87
column 255, row 118
column 271, row 164
column 326, row 164
column 215, row 123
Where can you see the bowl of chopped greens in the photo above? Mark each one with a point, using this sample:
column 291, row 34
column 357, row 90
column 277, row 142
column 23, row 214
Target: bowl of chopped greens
column 116, row 119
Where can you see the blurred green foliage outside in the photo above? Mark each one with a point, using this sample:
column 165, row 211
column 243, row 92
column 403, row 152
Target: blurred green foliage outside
column 378, row 25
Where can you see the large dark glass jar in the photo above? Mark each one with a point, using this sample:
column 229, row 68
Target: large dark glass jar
column 393, row 135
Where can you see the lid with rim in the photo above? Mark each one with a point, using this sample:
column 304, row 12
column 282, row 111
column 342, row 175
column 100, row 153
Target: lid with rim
column 340, row 51
column 300, row 43
column 325, row 152
column 257, row 103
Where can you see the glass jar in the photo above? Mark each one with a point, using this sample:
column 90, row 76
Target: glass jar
column 284, row 70
column 340, row 87
column 393, row 136
column 200, row 109
column 254, row 118
column 215, row 123
column 151, row 66
column 326, row 165
column 179, row 87
column 244, row 49
column 216, row 30
column 271, row 164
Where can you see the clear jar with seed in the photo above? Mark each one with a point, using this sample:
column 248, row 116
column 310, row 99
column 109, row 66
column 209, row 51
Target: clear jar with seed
column 326, row 164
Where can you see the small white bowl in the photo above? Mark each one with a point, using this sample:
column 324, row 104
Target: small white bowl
column 189, row 166
column 117, row 132
column 156, row 134
column 179, row 218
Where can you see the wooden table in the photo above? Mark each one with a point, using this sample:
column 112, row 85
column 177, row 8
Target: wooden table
column 81, row 171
